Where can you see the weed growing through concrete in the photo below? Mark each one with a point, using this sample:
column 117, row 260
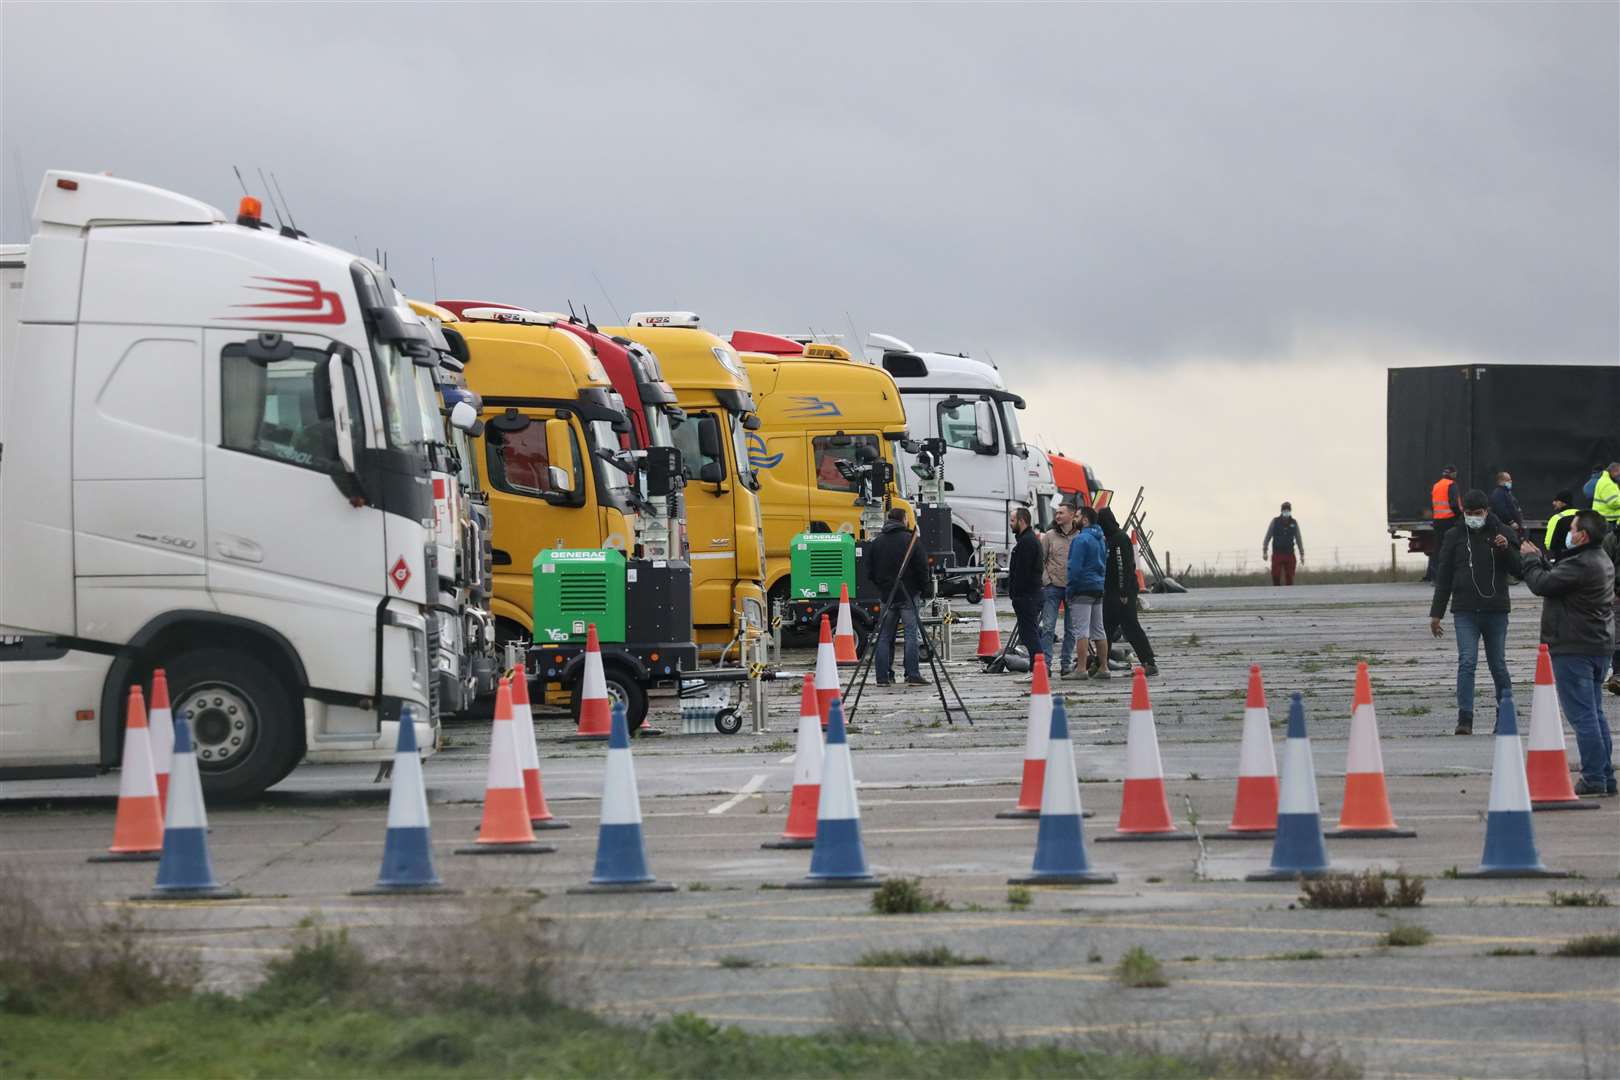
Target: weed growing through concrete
column 1404, row 935
column 1593, row 898
column 1094, row 955
column 733, row 962
column 932, row 957
column 906, row 896
column 1019, row 897
column 1300, row 954
column 1451, row 873
column 1366, row 890
column 1140, row 969
column 1591, row 945
column 697, row 886
column 1507, row 950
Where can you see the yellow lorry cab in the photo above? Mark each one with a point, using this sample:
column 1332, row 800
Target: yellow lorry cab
column 819, row 408
column 722, row 511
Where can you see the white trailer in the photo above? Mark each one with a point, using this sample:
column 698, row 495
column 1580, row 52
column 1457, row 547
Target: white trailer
column 211, row 461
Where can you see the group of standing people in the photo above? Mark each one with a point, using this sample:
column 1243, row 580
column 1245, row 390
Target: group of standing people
column 1084, row 569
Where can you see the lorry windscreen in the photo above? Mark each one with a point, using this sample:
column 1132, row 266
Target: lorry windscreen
column 1009, row 417
column 739, row 449
column 402, row 405
column 615, row 483
column 659, row 432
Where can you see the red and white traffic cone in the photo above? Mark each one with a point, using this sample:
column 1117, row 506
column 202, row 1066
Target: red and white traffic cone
column 1366, row 812
column 989, row 628
column 138, row 827
column 534, row 793
column 160, row 720
column 505, row 829
column 595, row 711
column 1254, row 814
column 844, row 635
column 1546, row 761
column 1035, row 739
column 1144, row 813
column 801, row 822
column 826, row 672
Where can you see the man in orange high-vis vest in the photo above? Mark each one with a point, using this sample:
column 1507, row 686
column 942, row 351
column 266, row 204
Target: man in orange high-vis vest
column 1445, row 505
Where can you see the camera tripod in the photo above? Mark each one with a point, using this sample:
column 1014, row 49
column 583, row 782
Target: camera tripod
column 929, row 645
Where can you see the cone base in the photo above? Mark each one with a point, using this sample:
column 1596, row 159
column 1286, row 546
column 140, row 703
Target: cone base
column 1369, row 834
column 793, row 843
column 548, row 823
column 1243, row 834
column 406, row 890
column 1120, row 837
column 1548, row 804
column 1290, row 875
column 835, row 883
column 203, row 892
column 522, row 848
column 127, row 856
column 1085, row 877
column 1514, row 872
column 626, row 887
column 1022, row 815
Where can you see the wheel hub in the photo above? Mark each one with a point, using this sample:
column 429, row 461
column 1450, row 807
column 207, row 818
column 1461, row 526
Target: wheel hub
column 223, row 724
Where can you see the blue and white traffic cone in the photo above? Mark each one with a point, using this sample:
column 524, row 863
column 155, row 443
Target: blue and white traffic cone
column 407, row 863
column 621, row 854
column 1510, row 840
column 1298, row 849
column 839, row 860
column 184, row 869
column 1060, row 842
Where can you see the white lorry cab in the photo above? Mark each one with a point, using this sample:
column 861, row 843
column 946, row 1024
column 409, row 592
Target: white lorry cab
column 964, row 402
column 211, row 461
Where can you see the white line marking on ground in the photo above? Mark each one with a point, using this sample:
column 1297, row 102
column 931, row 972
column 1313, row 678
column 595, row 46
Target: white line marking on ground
column 788, row 760
column 743, row 792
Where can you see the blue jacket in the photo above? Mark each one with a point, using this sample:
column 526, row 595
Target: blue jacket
column 1087, row 554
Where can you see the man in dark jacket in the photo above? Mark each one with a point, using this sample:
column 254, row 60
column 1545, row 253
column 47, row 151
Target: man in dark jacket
column 1577, row 626
column 1120, row 591
column 1471, row 574
column 1504, row 505
column 895, row 564
column 1563, row 509
column 1282, row 537
column 1024, row 571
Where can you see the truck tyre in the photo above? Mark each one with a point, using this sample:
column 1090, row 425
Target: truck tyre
column 622, row 689
column 245, row 724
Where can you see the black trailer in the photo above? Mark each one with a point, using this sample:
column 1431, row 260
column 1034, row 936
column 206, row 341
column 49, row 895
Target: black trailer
column 1547, row 424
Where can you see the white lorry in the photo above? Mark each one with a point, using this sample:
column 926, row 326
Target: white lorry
column 965, row 402
column 211, row 460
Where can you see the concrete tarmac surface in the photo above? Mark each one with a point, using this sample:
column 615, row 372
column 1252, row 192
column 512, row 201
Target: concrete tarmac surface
column 734, row 947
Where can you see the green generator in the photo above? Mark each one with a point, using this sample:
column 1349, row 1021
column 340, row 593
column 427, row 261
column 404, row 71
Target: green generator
column 575, row 587
column 820, row 562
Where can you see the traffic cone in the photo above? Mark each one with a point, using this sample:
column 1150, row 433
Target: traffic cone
column 621, row 853
column 534, row 795
column 1035, row 739
column 505, row 828
column 407, row 862
column 138, row 827
column 1510, row 839
column 1254, row 814
column 595, row 714
column 839, row 859
column 1144, row 813
column 844, row 636
column 1060, row 842
column 826, row 673
column 989, row 629
column 1546, row 762
column 185, row 872
column 1298, row 850
column 160, row 721
column 801, row 822
column 1366, row 801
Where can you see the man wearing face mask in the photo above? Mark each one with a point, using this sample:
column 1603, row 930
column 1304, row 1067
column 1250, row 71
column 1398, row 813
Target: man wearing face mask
column 1470, row 573
column 1504, row 505
column 1282, row 537
column 1577, row 626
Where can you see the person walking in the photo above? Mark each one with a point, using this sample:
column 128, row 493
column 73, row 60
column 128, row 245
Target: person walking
column 1055, row 586
column 1471, row 575
column 1590, row 487
column 1088, row 555
column 1606, row 495
column 1505, row 506
column 1025, row 568
column 1445, row 509
column 1564, row 509
column 1577, row 626
column 895, row 564
column 1282, row 537
column 1120, row 591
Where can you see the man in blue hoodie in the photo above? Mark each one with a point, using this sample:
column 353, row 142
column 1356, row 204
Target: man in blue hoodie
column 1088, row 554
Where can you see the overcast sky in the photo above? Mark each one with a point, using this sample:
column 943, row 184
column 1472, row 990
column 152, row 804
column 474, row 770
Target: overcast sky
column 1194, row 234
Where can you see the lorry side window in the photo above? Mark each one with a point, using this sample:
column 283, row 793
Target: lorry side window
column 517, row 460
column 957, row 426
column 280, row 410
column 690, row 440
column 828, row 478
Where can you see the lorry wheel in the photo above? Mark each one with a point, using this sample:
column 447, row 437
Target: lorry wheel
column 622, row 689
column 245, row 724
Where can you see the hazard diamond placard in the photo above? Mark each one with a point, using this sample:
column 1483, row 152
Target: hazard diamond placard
column 400, row 575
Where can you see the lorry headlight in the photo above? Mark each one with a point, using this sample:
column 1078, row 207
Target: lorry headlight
column 753, row 613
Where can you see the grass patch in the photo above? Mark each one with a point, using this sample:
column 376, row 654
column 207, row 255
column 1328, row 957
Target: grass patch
column 1591, row 945
column 1367, row 890
column 733, row 962
column 1592, row 898
column 1300, row 954
column 1140, row 969
column 906, row 896
column 1413, row 710
column 1406, row 936
column 1505, row 950
column 935, row 956
column 1019, row 897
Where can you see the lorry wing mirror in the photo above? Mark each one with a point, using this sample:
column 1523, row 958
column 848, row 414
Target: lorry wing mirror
column 709, row 438
column 337, row 385
column 711, row 473
column 752, row 422
column 560, row 453
column 984, row 427
column 268, row 348
column 463, row 417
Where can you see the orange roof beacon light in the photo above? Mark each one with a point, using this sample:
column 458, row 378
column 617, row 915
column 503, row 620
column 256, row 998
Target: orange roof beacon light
column 249, row 211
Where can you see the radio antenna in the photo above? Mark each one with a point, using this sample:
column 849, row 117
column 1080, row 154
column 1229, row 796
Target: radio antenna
column 433, row 265
column 273, row 207
column 571, row 316
column 611, row 305
column 241, row 181
column 589, row 325
column 285, row 205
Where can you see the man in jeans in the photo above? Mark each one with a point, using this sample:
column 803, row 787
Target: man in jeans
column 895, row 563
column 1055, row 584
column 1088, row 556
column 1577, row 626
column 1471, row 574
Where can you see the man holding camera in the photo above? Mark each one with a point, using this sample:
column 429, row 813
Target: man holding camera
column 897, row 566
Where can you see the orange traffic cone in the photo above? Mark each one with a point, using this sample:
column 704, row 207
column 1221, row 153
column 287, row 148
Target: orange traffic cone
column 505, row 829
column 826, row 672
column 1546, row 761
column 1144, row 814
column 989, row 629
column 595, row 711
column 138, row 828
column 1254, row 814
column 844, row 636
column 806, row 799
column 160, row 721
column 1366, row 810
column 1035, row 739
column 534, row 794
